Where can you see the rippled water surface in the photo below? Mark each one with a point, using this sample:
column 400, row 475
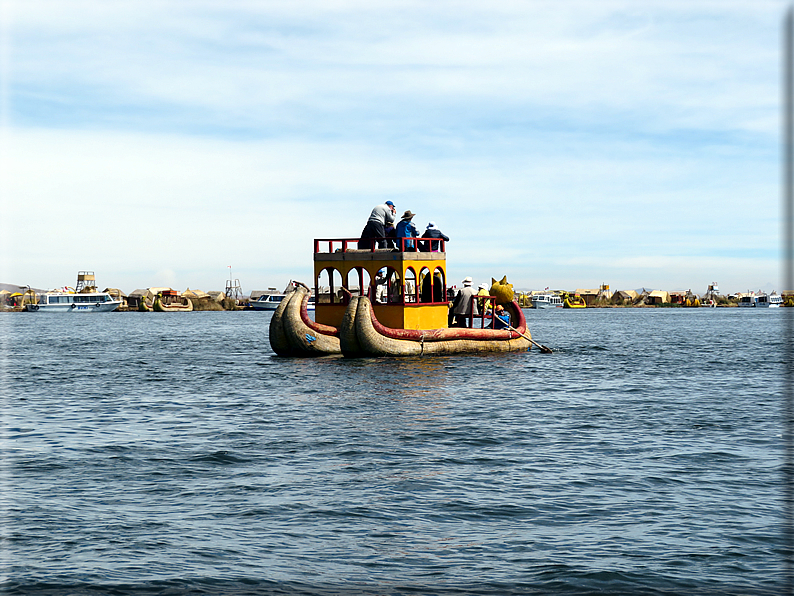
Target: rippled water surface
column 173, row 453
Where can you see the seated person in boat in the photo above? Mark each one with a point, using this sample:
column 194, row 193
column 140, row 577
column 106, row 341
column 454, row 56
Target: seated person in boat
column 407, row 229
column 501, row 318
column 482, row 301
column 433, row 245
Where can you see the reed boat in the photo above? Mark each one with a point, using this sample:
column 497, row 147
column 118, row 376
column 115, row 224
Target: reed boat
column 575, row 301
column 171, row 301
column 384, row 302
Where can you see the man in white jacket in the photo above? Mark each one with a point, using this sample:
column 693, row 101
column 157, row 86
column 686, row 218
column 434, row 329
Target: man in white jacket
column 463, row 306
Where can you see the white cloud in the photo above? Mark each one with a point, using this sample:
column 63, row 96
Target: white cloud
column 191, row 137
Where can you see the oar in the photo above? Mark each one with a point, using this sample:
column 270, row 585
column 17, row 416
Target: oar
column 543, row 349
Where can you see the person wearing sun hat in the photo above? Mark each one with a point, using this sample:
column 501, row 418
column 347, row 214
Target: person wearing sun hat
column 375, row 230
column 482, row 300
column 463, row 306
column 433, row 232
column 407, row 229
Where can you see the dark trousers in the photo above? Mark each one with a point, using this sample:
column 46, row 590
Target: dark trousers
column 373, row 229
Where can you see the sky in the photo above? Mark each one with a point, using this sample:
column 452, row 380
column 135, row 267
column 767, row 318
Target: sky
column 563, row 144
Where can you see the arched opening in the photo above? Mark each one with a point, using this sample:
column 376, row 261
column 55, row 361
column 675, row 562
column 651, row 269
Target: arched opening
column 358, row 282
column 425, row 285
column 387, row 286
column 439, row 285
column 394, row 285
column 329, row 287
column 410, row 285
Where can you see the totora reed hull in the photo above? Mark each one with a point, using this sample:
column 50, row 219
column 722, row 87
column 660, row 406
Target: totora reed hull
column 293, row 333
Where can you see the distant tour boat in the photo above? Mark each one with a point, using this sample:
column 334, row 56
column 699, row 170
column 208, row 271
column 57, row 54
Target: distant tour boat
column 768, row 301
column 747, row 301
column 267, row 301
column 271, row 302
column 546, row 301
column 70, row 302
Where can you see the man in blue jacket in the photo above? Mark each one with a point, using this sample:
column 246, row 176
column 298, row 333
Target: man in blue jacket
column 407, row 229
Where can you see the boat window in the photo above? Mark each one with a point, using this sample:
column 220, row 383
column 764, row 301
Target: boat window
column 276, row 298
column 394, row 287
column 358, row 282
column 387, row 288
column 439, row 285
column 426, row 285
column 410, row 285
column 329, row 287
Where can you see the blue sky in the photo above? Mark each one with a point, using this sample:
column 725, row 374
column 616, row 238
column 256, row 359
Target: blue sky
column 563, row 144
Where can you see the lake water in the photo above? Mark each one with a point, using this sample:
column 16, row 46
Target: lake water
column 149, row 453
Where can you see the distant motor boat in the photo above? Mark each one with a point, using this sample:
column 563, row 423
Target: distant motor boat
column 546, row 301
column 271, row 302
column 71, row 302
column 747, row 301
column 768, row 301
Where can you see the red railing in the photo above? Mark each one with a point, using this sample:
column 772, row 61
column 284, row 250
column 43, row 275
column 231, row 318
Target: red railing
column 485, row 317
column 403, row 244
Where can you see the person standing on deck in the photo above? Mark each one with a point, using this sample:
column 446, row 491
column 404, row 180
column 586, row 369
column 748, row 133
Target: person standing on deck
column 463, row 306
column 407, row 229
column 376, row 226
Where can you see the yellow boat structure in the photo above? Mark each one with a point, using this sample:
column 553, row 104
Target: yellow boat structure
column 383, row 302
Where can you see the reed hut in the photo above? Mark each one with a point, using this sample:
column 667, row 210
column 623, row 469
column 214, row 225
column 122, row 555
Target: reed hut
column 657, row 297
column 624, row 297
column 195, row 294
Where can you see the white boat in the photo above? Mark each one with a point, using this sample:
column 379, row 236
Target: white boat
column 748, row 301
column 546, row 301
column 768, row 301
column 70, row 302
column 271, row 302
